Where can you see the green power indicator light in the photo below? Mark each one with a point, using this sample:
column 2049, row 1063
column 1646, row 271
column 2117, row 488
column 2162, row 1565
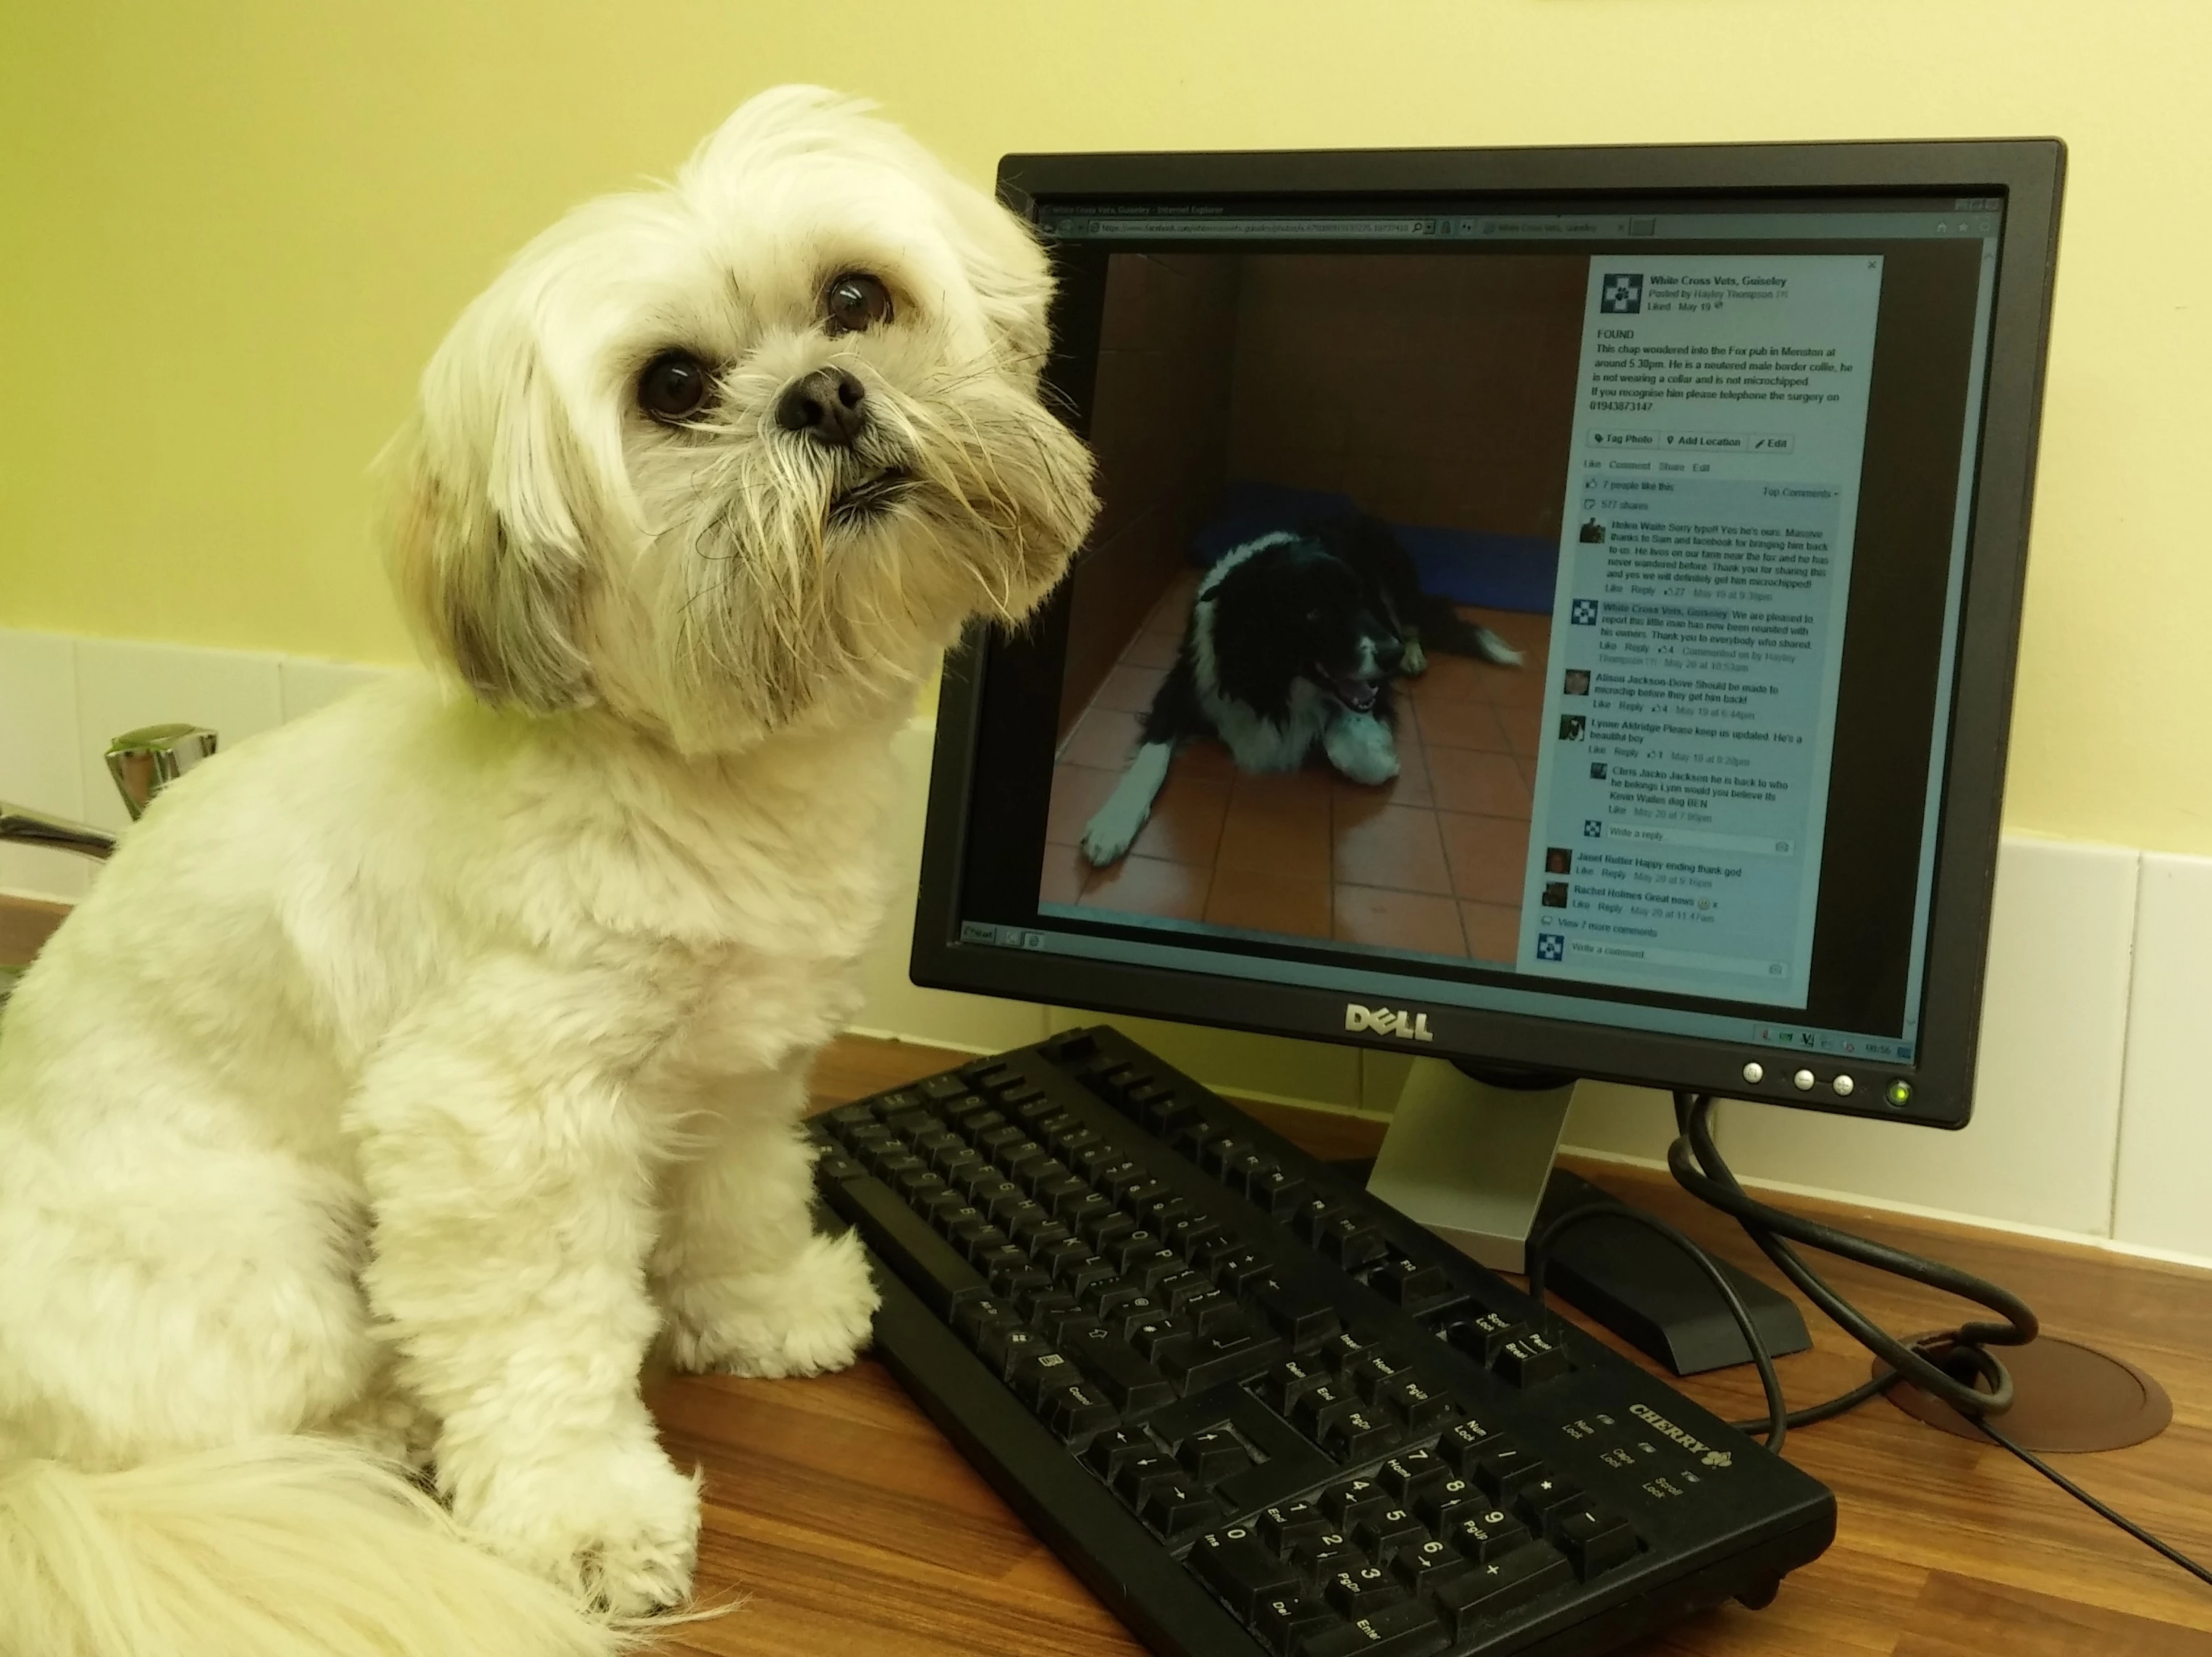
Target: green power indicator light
column 1900, row 1093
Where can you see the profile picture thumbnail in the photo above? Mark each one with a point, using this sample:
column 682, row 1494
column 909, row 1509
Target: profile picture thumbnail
column 1555, row 894
column 1558, row 860
column 1577, row 681
column 1597, row 770
column 1592, row 533
column 1621, row 294
column 1571, row 727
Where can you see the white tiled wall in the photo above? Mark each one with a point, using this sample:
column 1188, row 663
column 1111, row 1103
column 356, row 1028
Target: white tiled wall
column 62, row 700
column 2092, row 1111
column 2162, row 1197
column 40, row 765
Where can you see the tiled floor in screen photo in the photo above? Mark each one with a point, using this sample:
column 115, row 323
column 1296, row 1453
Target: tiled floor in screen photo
column 1431, row 862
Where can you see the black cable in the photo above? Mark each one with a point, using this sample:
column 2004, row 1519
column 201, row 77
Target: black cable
column 2095, row 1506
column 1539, row 1260
column 1697, row 1165
column 1842, row 1403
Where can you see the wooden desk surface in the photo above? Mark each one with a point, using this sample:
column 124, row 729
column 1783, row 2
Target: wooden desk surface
column 857, row 1531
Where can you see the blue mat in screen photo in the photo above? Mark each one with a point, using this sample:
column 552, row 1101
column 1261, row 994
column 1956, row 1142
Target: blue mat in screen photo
column 1467, row 566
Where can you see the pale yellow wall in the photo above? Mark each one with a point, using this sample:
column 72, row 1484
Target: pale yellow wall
column 230, row 232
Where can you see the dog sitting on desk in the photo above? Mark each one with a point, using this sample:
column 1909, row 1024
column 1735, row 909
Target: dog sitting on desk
column 1293, row 640
column 412, row 1070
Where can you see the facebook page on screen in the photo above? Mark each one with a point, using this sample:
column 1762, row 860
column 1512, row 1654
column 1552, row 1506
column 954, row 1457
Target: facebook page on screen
column 1698, row 630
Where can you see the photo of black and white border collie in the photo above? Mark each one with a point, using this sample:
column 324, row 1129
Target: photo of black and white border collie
column 1293, row 640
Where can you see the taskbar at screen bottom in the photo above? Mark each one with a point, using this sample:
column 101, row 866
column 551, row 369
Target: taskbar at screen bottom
column 1375, row 977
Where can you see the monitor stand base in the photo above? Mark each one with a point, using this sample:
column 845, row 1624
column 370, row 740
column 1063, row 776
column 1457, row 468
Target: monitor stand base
column 1472, row 1160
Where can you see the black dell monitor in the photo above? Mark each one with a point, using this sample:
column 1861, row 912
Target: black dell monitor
column 1680, row 761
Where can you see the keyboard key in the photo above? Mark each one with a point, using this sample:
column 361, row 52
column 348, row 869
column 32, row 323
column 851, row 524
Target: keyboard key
column 1162, row 1337
column 1136, row 1196
column 1321, row 1407
column 904, row 1242
column 1361, row 1592
column 1486, row 1537
column 1406, row 1282
column 942, row 1089
column 1036, row 1371
column 1413, row 1476
column 1319, row 1557
column 1079, row 1275
column 1305, row 1320
column 1104, row 1231
column 1356, row 1499
column 1484, row 1337
column 1348, row 1347
column 1079, row 1209
column 1362, row 1433
column 1307, row 1219
column 1283, row 1620
column 1002, row 1348
column 1160, row 1212
column 1424, row 1565
column 1349, row 1241
column 1109, row 1453
column 1138, row 1477
column 1075, row 1412
column 1491, row 1590
column 1278, row 1193
column 1366, row 1376
column 1177, row 1507
column 1283, row 1527
column 1455, row 1499
column 1213, row 1361
column 1503, row 1472
column 1406, row 1629
column 1218, row 1151
column 1291, row 1380
column 1530, row 1360
column 1540, row 1500
column 1595, row 1541
column 1237, row 1269
column 1421, row 1407
column 1379, row 1536
column 1236, row 1566
column 973, row 1316
column 1463, row 1442
column 1212, row 1456
column 1128, row 1379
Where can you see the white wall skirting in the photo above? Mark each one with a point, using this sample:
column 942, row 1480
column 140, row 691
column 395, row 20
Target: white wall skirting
column 2093, row 1112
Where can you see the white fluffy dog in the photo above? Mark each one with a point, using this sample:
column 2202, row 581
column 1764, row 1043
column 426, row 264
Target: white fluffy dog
column 412, row 1070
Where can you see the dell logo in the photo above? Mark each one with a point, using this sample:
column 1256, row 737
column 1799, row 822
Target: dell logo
column 1381, row 1020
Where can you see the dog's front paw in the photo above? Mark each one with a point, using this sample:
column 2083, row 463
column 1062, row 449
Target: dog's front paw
column 619, row 1529
column 811, row 1317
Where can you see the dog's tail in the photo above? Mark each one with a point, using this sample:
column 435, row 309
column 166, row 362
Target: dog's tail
column 280, row 1547
column 1443, row 628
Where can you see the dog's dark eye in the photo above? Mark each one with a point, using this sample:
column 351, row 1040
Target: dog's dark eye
column 855, row 302
column 674, row 387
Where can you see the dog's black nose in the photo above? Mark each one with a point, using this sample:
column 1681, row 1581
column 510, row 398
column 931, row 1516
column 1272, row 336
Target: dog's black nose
column 829, row 405
column 1390, row 651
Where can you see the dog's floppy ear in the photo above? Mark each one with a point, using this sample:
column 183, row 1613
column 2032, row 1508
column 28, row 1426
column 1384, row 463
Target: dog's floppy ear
column 486, row 530
column 1007, row 269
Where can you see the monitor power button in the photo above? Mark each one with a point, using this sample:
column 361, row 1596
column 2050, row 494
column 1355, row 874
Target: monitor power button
column 1755, row 1072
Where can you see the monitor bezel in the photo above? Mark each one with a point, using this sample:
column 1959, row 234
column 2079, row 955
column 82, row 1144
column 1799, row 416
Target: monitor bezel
column 2030, row 174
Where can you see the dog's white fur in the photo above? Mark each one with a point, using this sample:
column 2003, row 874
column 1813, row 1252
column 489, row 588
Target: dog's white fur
column 413, row 1068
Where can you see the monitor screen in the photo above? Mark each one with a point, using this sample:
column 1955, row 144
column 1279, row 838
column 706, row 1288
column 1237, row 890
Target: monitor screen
column 1505, row 614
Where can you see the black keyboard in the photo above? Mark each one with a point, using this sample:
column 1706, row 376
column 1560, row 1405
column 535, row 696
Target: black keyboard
column 1256, row 1410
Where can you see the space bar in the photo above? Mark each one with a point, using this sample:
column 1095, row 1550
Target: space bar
column 904, row 1242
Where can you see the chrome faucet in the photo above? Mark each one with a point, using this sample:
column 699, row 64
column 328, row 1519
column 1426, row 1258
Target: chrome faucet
column 143, row 764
